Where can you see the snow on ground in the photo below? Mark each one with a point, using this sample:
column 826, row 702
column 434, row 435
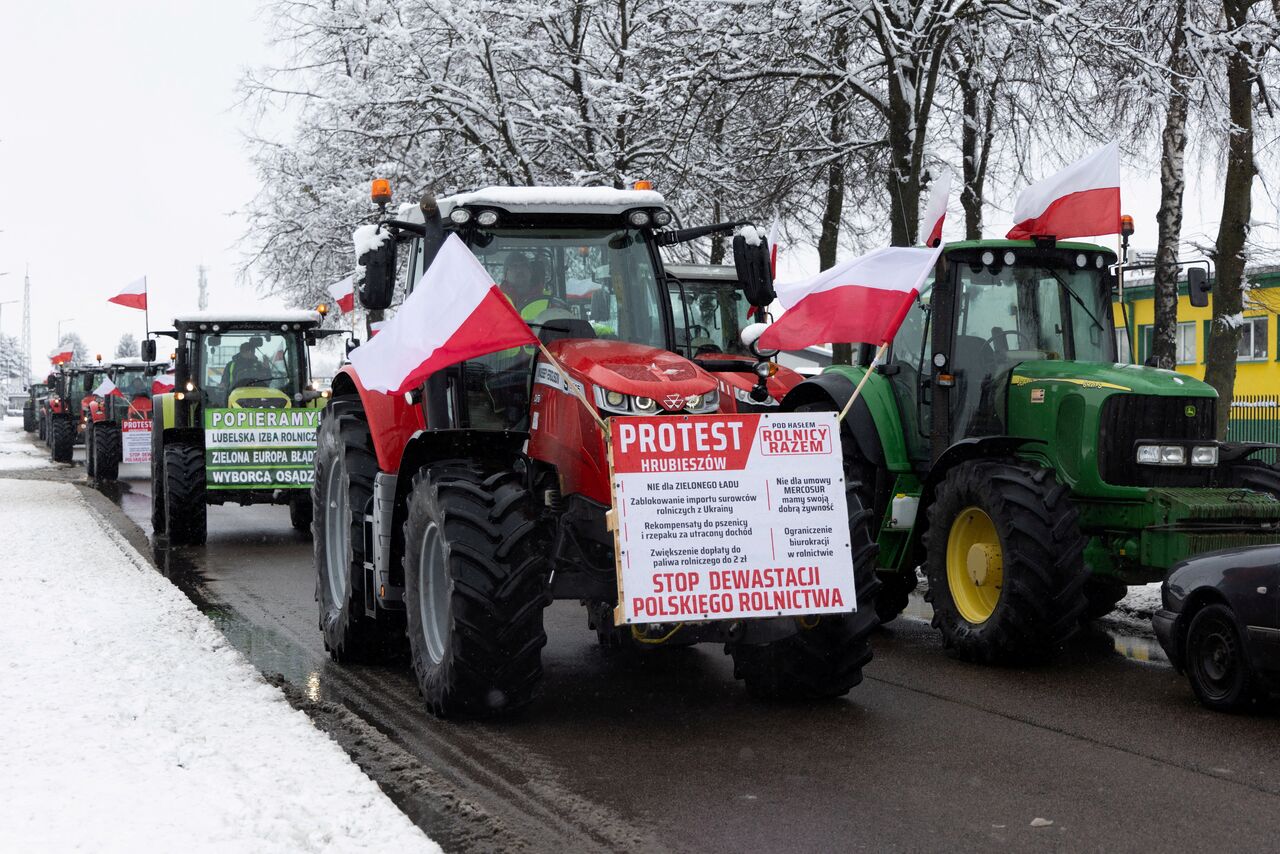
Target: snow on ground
column 128, row 723
column 16, row 449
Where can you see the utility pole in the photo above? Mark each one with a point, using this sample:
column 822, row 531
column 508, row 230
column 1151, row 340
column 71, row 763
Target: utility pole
column 203, row 300
column 26, row 326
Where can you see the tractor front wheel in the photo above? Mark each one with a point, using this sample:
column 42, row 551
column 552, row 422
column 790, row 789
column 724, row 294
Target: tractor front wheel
column 475, row 588
column 42, row 427
column 88, row 453
column 340, row 496
column 300, row 513
column 157, row 475
column 185, row 513
column 825, row 657
column 28, row 419
column 104, row 448
column 1254, row 475
column 62, row 438
column 1004, row 562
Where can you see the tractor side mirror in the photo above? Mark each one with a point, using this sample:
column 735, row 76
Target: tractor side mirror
column 352, row 343
column 1198, row 286
column 379, row 285
column 148, row 350
column 755, row 272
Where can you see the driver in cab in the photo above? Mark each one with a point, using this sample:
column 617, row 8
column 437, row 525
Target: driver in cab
column 244, row 367
column 522, row 287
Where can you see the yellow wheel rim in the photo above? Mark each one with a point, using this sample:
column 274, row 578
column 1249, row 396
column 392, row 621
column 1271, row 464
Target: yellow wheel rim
column 975, row 565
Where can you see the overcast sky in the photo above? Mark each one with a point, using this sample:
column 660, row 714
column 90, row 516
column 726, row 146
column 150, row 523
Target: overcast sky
column 121, row 156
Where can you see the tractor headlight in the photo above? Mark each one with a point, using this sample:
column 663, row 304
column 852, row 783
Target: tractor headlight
column 1149, row 454
column 700, row 404
column 638, row 218
column 1172, row 455
column 1204, row 455
column 459, row 216
column 744, row 396
column 487, row 218
column 644, row 404
column 661, row 218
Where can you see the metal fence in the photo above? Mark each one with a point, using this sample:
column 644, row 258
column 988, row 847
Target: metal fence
column 1255, row 418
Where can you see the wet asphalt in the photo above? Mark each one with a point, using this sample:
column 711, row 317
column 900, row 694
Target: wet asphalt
column 665, row 752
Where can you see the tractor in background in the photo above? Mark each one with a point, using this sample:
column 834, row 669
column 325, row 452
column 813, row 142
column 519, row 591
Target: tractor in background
column 31, row 408
column 111, row 415
column 456, row 513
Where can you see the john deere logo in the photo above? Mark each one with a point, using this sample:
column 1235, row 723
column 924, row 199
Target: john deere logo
column 1191, row 411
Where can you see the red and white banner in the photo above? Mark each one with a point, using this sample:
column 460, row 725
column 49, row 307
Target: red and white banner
column 163, row 384
column 135, row 440
column 106, row 388
column 730, row 517
column 1082, row 200
column 343, row 292
column 61, row 357
column 936, row 211
column 455, row 313
column 863, row 300
column 134, row 295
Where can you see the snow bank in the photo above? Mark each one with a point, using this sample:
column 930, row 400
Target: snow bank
column 16, row 450
column 130, row 724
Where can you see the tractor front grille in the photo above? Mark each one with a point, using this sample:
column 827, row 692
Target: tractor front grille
column 1128, row 419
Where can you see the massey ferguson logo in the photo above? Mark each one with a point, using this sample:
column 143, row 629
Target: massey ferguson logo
column 672, row 402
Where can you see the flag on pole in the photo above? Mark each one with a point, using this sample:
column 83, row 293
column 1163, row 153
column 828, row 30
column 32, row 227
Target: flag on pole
column 106, row 388
column 455, row 313
column 862, row 300
column 1081, row 200
column 163, row 383
column 936, row 211
column 773, row 248
column 134, row 295
column 375, row 326
column 61, row 357
column 343, row 292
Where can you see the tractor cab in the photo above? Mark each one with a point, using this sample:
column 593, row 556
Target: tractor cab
column 133, row 377
column 237, row 362
column 709, row 308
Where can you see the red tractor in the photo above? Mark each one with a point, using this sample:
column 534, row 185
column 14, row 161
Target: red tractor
column 454, row 514
column 111, row 415
column 62, row 410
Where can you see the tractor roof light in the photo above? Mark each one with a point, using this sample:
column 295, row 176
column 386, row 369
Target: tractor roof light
column 487, row 218
column 380, row 191
column 1126, row 225
column 642, row 185
column 661, row 217
column 322, row 309
column 459, row 216
column 1082, row 261
column 638, row 218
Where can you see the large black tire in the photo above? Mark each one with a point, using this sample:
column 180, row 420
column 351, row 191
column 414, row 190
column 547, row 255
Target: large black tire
column 1217, row 661
column 185, row 511
column 105, row 450
column 157, row 475
column 475, row 588
column 1101, row 595
column 28, row 418
column 1255, row 475
column 825, row 657
column 88, row 452
column 1039, row 597
column 62, row 438
column 300, row 513
column 345, row 469
column 42, row 427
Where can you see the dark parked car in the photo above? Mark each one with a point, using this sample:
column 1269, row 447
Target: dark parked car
column 1220, row 624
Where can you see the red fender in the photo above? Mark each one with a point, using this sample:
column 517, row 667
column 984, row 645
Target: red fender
column 392, row 420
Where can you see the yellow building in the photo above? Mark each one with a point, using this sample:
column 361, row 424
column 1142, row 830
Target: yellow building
column 1258, row 360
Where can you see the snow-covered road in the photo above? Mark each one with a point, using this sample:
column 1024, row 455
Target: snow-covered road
column 127, row 723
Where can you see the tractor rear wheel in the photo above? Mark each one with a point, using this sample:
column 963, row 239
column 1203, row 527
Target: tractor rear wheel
column 300, row 513
column 475, row 587
column 1004, row 562
column 340, row 496
column 185, row 512
column 62, row 438
column 88, row 452
column 1255, row 475
column 104, row 447
column 825, row 657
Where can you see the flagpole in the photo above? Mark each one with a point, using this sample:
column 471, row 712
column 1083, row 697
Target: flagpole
column 884, row 348
column 573, row 387
column 146, row 310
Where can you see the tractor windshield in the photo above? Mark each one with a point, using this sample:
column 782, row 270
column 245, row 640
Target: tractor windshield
column 709, row 317
column 241, row 363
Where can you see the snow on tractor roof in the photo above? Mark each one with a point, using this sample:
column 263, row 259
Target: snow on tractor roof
column 246, row 317
column 588, row 200
column 132, row 362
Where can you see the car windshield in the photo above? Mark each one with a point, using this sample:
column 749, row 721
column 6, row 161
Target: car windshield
column 709, row 317
column 245, row 358
column 602, row 276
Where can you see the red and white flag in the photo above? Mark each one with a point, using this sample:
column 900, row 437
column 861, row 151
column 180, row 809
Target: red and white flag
column 936, row 211
column 343, row 292
column 134, row 295
column 375, row 326
column 1082, row 200
column 862, row 300
column 61, row 357
column 163, row 383
column 455, row 313
column 106, row 388
column 773, row 248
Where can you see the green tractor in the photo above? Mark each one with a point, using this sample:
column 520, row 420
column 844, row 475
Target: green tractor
column 1005, row 449
column 240, row 424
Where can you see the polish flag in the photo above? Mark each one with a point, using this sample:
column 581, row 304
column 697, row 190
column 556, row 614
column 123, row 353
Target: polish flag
column 134, row 295
column 344, row 293
column 61, row 357
column 106, row 388
column 773, row 248
column 455, row 313
column 375, row 326
column 163, row 383
column 936, row 211
column 862, row 300
column 1082, row 200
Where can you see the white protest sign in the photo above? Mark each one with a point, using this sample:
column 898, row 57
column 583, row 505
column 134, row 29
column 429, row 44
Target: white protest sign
column 729, row 516
column 135, row 440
